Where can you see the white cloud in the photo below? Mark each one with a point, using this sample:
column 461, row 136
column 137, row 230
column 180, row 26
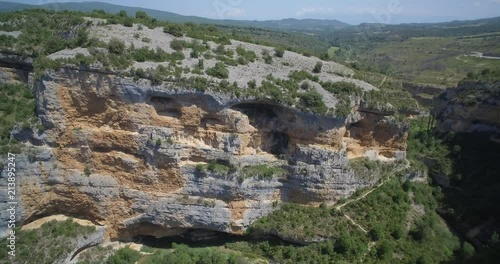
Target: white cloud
column 315, row 11
column 476, row 4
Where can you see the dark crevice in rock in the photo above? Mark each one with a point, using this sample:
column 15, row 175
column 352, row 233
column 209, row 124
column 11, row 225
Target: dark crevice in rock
column 200, row 238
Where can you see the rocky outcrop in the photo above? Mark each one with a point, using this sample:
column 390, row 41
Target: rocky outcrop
column 126, row 154
column 424, row 94
column 471, row 107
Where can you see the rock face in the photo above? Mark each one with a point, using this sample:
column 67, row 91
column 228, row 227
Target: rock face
column 471, row 107
column 124, row 154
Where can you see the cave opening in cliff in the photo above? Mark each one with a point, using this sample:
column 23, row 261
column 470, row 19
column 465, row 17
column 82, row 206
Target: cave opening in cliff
column 278, row 143
column 260, row 114
column 266, row 118
column 166, row 106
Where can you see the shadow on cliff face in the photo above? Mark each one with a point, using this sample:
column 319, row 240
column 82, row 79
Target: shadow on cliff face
column 198, row 238
column 472, row 200
column 166, row 106
column 265, row 118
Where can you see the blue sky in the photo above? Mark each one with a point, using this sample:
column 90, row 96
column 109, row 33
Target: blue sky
column 353, row 12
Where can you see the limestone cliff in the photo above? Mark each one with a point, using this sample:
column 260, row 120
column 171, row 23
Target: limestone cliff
column 471, row 107
column 127, row 154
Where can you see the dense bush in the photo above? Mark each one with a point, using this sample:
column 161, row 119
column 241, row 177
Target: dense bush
column 178, row 45
column 313, row 101
column 141, row 15
column 318, row 67
column 174, row 30
column 279, row 52
column 342, row 89
column 181, row 254
column 219, row 71
column 116, row 46
column 124, row 256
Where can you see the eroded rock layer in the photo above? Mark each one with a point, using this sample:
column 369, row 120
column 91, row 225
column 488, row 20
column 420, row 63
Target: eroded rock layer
column 127, row 154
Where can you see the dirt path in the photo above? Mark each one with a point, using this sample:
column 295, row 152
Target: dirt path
column 383, row 81
column 339, row 207
column 38, row 223
column 356, row 224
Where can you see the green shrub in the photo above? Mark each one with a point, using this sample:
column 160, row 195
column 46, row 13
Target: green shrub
column 87, row 171
column 268, row 59
column 376, row 233
column 178, row 45
column 128, row 22
column 219, row 71
column 218, row 167
column 194, row 54
column 116, row 46
column 141, row 15
column 318, row 67
column 280, row 52
column 263, row 172
column 302, row 75
column 174, row 30
column 124, row 256
column 313, row 101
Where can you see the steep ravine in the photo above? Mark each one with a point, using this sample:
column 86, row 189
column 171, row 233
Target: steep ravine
column 126, row 154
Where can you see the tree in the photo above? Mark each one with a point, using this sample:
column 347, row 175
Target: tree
column 141, row 15
column 376, row 233
column 177, row 44
column 122, row 13
column 128, row 22
column 220, row 71
column 318, row 67
column 384, row 250
column 116, row 46
column 174, row 30
column 280, row 52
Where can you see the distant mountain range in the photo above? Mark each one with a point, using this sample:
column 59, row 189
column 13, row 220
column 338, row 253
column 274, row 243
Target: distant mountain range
column 318, row 27
column 284, row 24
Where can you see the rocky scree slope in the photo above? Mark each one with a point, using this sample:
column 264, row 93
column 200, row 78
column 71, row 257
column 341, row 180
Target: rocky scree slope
column 159, row 160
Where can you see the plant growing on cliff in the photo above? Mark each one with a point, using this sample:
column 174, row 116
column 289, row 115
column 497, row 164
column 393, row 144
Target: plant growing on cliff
column 263, row 172
column 313, row 102
column 87, row 171
column 158, row 143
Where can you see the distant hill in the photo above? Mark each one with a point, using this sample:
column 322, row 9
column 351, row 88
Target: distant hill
column 9, row 6
column 285, row 24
